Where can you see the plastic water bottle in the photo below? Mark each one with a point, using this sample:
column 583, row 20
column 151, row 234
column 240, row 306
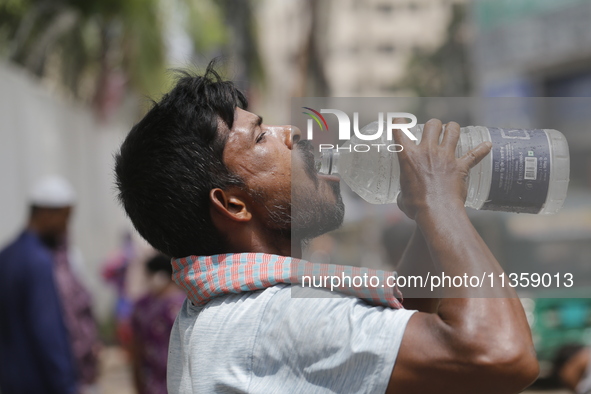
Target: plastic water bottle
column 527, row 171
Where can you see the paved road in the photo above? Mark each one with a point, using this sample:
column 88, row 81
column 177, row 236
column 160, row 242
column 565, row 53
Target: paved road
column 115, row 376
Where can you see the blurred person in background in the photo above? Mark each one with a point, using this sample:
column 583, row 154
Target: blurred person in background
column 35, row 349
column 79, row 317
column 572, row 368
column 49, row 339
column 115, row 272
column 151, row 321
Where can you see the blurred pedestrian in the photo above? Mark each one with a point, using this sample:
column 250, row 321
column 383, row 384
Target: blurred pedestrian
column 572, row 367
column 152, row 320
column 115, row 272
column 35, row 351
column 78, row 317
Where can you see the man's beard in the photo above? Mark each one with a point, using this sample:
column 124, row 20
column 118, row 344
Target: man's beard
column 307, row 215
column 51, row 241
column 312, row 216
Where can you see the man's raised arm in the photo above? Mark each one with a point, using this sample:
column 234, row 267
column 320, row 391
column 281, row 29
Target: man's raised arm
column 470, row 345
column 416, row 260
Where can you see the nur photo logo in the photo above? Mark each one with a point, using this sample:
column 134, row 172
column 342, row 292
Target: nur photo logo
column 344, row 129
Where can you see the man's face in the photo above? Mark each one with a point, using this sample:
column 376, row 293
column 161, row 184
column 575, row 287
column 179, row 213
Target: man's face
column 278, row 169
column 53, row 225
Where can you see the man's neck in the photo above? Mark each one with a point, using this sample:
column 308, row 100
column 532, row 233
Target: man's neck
column 256, row 237
column 273, row 248
column 271, row 244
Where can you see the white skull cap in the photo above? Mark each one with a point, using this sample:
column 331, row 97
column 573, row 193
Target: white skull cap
column 52, row 192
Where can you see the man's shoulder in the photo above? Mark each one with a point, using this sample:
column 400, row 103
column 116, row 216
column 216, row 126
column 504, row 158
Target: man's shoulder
column 281, row 300
column 281, row 297
column 26, row 252
column 302, row 309
column 302, row 312
column 270, row 337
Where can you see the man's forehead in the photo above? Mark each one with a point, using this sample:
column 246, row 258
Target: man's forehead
column 242, row 128
column 244, row 122
column 245, row 119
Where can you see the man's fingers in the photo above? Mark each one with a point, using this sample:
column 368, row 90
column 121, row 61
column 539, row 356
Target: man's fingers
column 475, row 155
column 401, row 138
column 431, row 132
column 451, row 136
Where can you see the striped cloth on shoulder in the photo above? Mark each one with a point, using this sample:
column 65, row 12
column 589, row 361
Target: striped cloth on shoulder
column 206, row 277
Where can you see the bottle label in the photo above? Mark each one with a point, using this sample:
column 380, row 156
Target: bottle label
column 520, row 170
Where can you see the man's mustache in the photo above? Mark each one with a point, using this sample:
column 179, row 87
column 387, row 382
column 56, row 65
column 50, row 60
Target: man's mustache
column 307, row 151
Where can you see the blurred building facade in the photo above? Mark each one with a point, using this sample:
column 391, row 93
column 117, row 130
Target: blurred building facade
column 343, row 48
column 532, row 48
column 371, row 42
column 535, row 48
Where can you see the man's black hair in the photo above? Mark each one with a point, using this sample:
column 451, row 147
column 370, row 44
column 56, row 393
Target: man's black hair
column 172, row 158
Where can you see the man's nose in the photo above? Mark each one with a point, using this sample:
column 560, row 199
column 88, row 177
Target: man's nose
column 292, row 135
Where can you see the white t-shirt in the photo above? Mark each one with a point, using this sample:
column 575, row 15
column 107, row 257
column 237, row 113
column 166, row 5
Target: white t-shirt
column 268, row 342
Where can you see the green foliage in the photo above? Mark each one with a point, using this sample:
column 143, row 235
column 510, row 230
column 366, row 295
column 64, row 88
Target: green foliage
column 89, row 38
column 90, row 41
column 206, row 28
column 444, row 72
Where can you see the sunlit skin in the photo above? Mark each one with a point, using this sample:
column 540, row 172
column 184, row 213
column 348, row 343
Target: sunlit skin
column 262, row 156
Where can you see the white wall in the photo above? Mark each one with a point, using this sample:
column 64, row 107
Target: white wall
column 41, row 134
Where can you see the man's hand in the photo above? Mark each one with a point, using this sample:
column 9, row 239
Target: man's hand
column 478, row 340
column 430, row 173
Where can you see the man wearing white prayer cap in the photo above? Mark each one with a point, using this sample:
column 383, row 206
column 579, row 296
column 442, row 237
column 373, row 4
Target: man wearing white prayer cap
column 36, row 355
column 51, row 200
column 53, row 192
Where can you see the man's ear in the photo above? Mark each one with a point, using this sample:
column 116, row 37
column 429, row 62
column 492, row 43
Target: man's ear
column 229, row 204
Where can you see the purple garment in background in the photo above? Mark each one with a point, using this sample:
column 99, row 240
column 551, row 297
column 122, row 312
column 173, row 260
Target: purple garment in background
column 78, row 318
column 152, row 320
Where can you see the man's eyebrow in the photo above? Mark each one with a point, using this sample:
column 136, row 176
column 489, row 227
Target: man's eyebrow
column 258, row 121
column 255, row 123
